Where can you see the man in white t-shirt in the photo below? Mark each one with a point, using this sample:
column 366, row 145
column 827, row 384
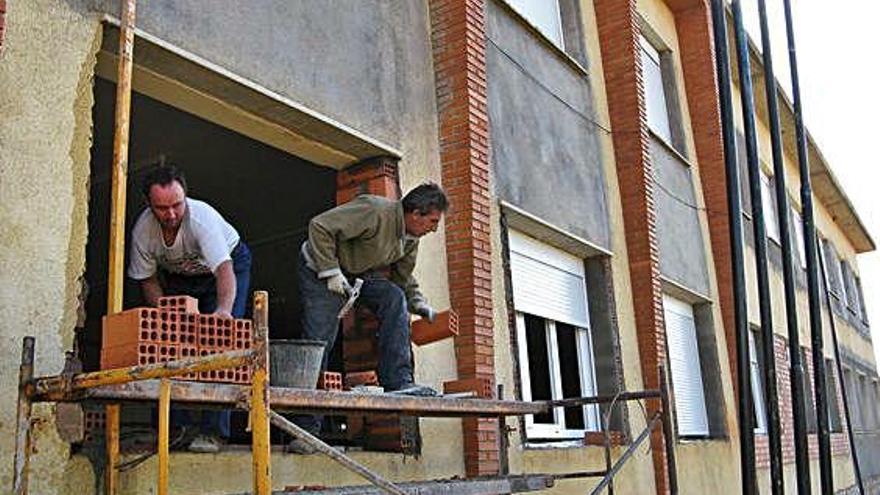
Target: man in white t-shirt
column 183, row 246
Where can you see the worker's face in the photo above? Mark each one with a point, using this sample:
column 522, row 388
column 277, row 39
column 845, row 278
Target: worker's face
column 168, row 204
column 418, row 224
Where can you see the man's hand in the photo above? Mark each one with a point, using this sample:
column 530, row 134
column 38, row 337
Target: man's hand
column 223, row 313
column 424, row 310
column 338, row 284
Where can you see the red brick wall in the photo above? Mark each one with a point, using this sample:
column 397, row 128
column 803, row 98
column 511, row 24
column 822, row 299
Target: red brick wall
column 2, row 21
column 619, row 42
column 458, row 34
column 839, row 443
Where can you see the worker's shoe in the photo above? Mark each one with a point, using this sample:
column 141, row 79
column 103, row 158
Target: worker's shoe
column 297, row 446
column 205, row 444
column 414, row 389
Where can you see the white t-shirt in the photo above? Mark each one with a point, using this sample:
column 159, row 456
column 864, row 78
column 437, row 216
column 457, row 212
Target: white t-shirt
column 204, row 241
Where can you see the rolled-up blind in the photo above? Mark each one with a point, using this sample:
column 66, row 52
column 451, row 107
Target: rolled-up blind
column 547, row 281
column 684, row 363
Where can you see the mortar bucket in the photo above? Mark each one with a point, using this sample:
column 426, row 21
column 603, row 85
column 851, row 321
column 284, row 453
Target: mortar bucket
column 295, row 363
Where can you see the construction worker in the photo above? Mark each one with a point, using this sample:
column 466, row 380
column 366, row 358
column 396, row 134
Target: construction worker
column 182, row 246
column 375, row 239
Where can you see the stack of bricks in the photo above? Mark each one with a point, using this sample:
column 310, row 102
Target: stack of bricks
column 174, row 330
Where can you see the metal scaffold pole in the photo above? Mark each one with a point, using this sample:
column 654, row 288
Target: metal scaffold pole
column 825, row 473
column 744, row 390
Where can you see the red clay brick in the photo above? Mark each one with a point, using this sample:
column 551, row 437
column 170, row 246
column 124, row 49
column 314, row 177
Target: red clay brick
column 444, row 326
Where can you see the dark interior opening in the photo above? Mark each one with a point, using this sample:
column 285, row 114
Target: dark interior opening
column 266, row 194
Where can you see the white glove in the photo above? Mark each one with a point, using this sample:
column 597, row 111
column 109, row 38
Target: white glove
column 425, row 311
column 338, row 284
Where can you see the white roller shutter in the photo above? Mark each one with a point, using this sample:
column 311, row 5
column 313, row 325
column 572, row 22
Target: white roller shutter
column 547, row 281
column 684, row 363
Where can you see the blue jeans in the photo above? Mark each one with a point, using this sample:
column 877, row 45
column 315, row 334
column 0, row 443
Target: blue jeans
column 381, row 296
column 204, row 288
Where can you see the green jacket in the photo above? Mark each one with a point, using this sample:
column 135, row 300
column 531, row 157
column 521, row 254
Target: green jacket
column 365, row 234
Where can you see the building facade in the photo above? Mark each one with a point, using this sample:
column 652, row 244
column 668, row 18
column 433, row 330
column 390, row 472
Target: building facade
column 586, row 251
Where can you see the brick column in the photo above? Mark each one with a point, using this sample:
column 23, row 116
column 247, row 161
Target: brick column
column 360, row 348
column 619, row 42
column 458, row 35
column 693, row 23
column 2, row 21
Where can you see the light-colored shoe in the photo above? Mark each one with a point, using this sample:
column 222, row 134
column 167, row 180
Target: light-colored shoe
column 205, row 444
column 297, row 446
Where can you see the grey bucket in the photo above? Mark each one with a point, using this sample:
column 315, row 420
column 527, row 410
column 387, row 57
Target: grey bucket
column 295, row 363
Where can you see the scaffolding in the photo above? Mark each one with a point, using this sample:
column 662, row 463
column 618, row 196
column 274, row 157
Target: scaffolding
column 152, row 383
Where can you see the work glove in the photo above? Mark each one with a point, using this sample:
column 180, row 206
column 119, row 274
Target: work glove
column 424, row 310
column 338, row 284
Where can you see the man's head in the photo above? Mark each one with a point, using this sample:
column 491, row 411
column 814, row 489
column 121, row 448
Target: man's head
column 422, row 209
column 164, row 187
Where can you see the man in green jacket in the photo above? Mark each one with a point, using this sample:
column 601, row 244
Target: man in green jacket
column 375, row 239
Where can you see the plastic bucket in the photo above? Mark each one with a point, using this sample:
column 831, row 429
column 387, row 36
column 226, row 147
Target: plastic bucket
column 295, row 363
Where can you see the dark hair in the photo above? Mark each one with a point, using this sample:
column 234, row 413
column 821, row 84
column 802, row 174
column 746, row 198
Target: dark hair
column 162, row 175
column 425, row 198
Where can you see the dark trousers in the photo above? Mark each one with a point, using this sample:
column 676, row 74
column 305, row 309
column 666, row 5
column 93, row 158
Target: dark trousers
column 204, row 288
column 381, row 296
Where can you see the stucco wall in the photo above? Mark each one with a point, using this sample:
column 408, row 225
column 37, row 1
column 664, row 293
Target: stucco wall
column 45, row 99
column 545, row 148
column 355, row 61
column 679, row 233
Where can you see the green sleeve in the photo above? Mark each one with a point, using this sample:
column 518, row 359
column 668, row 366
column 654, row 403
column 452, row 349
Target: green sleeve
column 401, row 274
column 327, row 230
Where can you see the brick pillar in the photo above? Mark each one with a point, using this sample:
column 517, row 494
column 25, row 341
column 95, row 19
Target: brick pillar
column 2, row 21
column 694, row 27
column 360, row 349
column 619, row 42
column 458, row 34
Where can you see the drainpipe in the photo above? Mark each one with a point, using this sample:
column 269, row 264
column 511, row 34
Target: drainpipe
column 744, row 389
column 827, row 482
column 802, row 461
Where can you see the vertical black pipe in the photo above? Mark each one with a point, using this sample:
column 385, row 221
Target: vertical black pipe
column 760, row 236
column 840, row 385
column 744, row 388
column 802, row 460
column 825, row 473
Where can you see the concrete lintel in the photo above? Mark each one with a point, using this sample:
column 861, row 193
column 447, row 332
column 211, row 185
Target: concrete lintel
column 184, row 80
column 530, row 224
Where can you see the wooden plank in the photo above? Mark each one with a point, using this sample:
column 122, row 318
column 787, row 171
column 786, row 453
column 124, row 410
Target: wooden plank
column 23, row 419
column 259, row 407
column 164, row 431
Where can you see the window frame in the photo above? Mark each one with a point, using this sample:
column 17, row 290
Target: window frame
column 587, row 375
column 798, row 224
column 651, row 53
column 757, row 382
column 768, row 202
column 524, row 8
column 685, row 309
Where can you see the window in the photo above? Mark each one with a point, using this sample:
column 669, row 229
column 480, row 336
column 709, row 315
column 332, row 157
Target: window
column 834, row 422
column 684, row 365
column 543, row 14
column 807, row 391
column 800, row 245
column 861, row 294
column 553, row 335
column 759, row 413
column 771, row 221
column 832, row 269
column 655, row 93
column 841, row 273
